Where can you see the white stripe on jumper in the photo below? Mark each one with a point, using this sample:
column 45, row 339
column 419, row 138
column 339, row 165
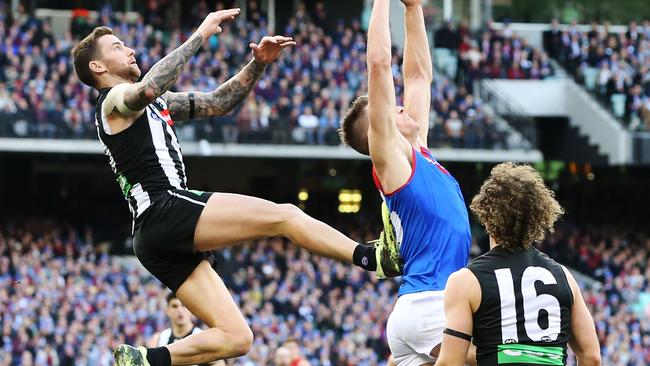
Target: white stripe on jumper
column 186, row 198
column 162, row 151
column 141, row 198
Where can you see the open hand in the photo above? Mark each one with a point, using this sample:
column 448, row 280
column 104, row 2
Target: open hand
column 211, row 23
column 270, row 47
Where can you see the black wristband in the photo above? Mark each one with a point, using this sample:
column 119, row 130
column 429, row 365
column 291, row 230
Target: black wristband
column 191, row 96
column 457, row 334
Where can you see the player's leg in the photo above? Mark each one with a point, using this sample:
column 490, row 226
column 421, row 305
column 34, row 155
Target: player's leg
column 231, row 218
column 205, row 295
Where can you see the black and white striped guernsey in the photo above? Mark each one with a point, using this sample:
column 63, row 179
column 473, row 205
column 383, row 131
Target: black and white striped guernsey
column 146, row 157
column 167, row 336
column 525, row 313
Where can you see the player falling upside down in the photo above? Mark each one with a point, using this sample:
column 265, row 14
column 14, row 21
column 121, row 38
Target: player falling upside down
column 423, row 200
column 518, row 306
column 175, row 228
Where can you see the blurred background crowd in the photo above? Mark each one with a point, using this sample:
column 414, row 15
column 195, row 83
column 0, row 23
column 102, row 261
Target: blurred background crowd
column 300, row 99
column 614, row 65
column 66, row 301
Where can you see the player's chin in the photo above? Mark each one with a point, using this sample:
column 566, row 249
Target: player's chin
column 135, row 71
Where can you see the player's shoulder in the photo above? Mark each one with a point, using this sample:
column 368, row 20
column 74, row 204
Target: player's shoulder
column 463, row 285
column 461, row 278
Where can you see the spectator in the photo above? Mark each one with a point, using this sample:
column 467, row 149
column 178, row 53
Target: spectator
column 282, row 357
column 41, row 97
column 618, row 64
column 309, row 123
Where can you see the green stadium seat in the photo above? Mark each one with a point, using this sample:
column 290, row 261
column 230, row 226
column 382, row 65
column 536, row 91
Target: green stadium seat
column 591, row 75
column 618, row 105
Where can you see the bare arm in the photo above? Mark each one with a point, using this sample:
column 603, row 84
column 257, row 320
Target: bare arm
column 417, row 68
column 162, row 75
column 584, row 341
column 224, row 99
column 460, row 292
column 218, row 102
column 389, row 150
column 125, row 102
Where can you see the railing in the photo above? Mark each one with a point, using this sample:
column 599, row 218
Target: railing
column 516, row 117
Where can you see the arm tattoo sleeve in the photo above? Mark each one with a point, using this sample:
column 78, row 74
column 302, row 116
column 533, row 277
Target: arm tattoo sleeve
column 163, row 74
column 218, row 102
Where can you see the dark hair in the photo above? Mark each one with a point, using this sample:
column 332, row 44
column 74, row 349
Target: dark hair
column 84, row 52
column 515, row 206
column 170, row 296
column 352, row 133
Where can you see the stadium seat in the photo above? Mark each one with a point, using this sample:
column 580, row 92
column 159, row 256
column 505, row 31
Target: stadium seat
column 591, row 75
column 618, row 105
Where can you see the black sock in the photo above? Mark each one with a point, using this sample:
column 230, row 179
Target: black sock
column 364, row 257
column 159, row 356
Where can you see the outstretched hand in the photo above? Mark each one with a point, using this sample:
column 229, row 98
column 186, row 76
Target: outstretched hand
column 270, row 47
column 212, row 23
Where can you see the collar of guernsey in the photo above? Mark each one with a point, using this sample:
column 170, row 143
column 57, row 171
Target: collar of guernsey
column 431, row 224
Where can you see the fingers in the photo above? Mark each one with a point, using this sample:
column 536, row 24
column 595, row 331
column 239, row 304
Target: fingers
column 281, row 39
column 253, row 46
column 287, row 44
column 227, row 15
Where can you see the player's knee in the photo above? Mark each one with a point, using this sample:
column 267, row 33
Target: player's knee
column 242, row 342
column 287, row 212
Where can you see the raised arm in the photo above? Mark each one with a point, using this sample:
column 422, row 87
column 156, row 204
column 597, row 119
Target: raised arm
column 227, row 96
column 388, row 148
column 417, row 67
column 126, row 100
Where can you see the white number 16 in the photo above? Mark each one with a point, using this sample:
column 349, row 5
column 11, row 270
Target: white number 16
column 533, row 304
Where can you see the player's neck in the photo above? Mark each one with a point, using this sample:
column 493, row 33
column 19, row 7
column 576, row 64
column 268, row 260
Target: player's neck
column 110, row 81
column 182, row 330
column 493, row 243
column 415, row 142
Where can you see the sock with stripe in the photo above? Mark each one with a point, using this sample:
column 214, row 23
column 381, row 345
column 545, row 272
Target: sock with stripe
column 364, row 257
column 159, row 356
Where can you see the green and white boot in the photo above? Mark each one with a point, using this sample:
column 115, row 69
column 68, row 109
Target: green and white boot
column 126, row 355
column 389, row 261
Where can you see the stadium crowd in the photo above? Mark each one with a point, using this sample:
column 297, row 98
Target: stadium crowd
column 620, row 301
column 492, row 53
column 615, row 66
column 65, row 301
column 300, row 99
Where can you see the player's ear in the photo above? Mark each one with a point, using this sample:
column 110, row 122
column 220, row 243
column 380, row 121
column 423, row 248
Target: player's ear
column 97, row 66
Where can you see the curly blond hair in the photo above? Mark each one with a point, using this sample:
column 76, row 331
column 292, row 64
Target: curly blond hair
column 515, row 206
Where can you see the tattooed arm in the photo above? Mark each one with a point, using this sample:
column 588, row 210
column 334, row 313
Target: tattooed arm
column 164, row 73
column 188, row 105
column 126, row 102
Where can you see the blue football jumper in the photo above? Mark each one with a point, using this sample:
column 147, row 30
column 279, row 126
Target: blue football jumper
column 431, row 224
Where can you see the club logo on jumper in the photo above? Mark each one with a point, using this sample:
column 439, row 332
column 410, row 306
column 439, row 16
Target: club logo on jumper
column 162, row 115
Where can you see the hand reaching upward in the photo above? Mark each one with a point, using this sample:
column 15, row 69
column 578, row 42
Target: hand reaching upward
column 211, row 23
column 270, row 47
